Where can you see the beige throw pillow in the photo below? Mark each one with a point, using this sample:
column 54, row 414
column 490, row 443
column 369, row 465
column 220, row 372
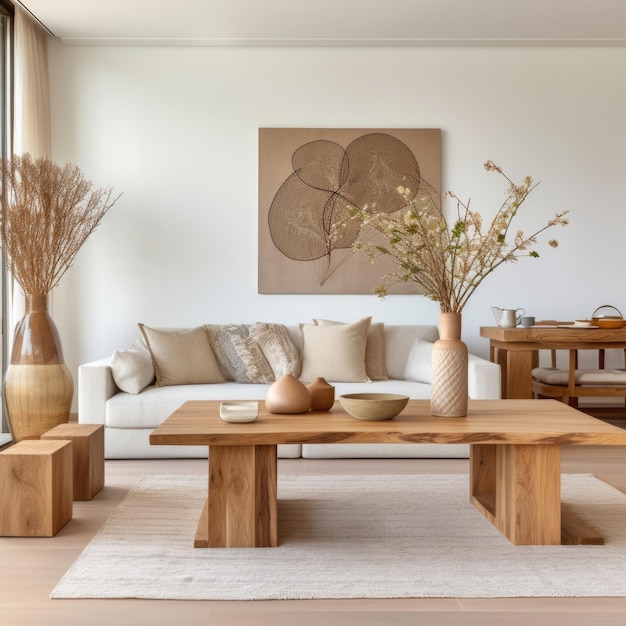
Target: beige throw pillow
column 374, row 349
column 181, row 357
column 335, row 352
column 132, row 368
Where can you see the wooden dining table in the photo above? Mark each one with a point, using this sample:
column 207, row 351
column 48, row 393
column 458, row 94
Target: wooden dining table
column 516, row 350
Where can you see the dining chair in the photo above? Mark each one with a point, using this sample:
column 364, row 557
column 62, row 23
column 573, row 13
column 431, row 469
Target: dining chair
column 572, row 383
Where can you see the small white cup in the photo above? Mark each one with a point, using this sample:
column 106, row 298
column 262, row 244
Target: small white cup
column 527, row 321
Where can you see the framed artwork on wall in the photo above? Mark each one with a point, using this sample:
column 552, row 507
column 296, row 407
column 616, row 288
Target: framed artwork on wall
column 309, row 179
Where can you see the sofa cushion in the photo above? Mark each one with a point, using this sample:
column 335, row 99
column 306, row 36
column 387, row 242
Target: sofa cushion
column 399, row 340
column 419, row 362
column 132, row 368
column 597, row 377
column 374, row 349
column 240, row 357
column 279, row 349
column 181, row 357
column 335, row 352
column 154, row 404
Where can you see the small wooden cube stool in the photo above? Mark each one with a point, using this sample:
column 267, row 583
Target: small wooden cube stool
column 87, row 453
column 35, row 488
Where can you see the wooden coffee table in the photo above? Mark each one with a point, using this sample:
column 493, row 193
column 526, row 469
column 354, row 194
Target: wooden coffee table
column 515, row 468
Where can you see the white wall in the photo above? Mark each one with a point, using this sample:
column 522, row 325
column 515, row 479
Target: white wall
column 176, row 129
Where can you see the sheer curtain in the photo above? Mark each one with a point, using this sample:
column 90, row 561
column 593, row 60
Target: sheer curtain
column 31, row 127
column 31, row 132
column 31, row 124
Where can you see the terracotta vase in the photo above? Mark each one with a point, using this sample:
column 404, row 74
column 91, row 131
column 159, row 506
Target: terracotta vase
column 449, row 361
column 288, row 395
column 322, row 395
column 38, row 387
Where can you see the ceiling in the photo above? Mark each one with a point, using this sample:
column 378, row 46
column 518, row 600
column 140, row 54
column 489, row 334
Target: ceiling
column 333, row 22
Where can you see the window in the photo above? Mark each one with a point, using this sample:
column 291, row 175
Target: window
column 6, row 48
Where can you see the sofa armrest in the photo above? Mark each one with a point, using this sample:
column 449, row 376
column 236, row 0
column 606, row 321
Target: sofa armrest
column 95, row 387
column 483, row 379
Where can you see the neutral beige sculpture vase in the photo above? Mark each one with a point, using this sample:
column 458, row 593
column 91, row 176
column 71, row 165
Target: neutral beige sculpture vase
column 448, row 390
column 322, row 394
column 38, row 386
column 288, row 395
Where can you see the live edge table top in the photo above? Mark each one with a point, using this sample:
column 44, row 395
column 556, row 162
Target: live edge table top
column 529, row 422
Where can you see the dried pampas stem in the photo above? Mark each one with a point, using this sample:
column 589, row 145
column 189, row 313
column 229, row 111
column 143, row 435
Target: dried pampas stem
column 47, row 213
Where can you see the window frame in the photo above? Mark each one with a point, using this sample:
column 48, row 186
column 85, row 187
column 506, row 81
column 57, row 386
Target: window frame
column 7, row 14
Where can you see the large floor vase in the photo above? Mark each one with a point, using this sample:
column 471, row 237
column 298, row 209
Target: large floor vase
column 449, row 363
column 38, row 387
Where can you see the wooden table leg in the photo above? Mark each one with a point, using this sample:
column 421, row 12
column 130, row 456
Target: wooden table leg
column 528, row 493
column 241, row 508
column 516, row 372
column 483, row 479
column 518, row 489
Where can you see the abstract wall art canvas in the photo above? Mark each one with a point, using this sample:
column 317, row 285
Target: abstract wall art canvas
column 308, row 179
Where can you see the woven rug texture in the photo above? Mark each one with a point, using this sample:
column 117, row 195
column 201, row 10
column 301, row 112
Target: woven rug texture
column 347, row 536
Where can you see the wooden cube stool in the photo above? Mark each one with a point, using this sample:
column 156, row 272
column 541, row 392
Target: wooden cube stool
column 35, row 488
column 87, row 454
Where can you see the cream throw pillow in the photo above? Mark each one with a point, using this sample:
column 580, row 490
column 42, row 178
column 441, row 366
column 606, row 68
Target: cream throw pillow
column 132, row 368
column 181, row 357
column 335, row 352
column 374, row 349
column 279, row 349
column 419, row 362
column 239, row 356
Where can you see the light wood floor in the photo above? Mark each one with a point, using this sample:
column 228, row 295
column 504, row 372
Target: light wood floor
column 30, row 568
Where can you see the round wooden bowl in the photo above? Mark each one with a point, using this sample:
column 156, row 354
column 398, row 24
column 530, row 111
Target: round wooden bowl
column 609, row 322
column 373, row 406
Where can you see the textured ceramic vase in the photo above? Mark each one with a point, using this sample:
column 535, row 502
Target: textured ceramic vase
column 288, row 395
column 449, row 382
column 38, row 387
column 322, row 395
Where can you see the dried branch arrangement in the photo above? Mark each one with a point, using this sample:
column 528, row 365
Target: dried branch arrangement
column 447, row 262
column 47, row 213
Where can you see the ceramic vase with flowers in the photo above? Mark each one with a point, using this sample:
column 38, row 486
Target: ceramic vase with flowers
column 47, row 212
column 447, row 264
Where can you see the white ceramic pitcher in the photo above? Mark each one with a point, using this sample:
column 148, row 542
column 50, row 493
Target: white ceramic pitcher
column 507, row 318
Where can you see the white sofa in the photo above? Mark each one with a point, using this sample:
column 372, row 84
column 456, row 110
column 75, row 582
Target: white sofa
column 129, row 418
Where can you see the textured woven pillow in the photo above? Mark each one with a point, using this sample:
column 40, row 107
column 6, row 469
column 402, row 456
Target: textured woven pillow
column 181, row 357
column 240, row 357
column 374, row 349
column 335, row 352
column 419, row 362
column 132, row 368
column 279, row 349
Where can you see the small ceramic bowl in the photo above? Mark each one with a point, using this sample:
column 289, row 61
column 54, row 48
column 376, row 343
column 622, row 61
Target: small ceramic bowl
column 373, row 406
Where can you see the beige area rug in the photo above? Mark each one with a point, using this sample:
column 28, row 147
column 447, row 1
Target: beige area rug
column 347, row 537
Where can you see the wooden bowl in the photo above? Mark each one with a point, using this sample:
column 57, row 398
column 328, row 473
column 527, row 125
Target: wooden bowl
column 373, row 406
column 608, row 322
